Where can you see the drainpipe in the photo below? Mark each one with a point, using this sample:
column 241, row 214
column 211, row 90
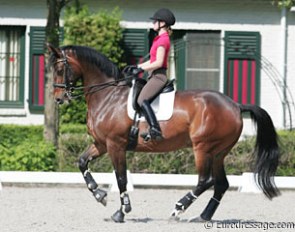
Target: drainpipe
column 284, row 31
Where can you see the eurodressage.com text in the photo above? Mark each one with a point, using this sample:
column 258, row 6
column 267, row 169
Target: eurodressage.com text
column 248, row 224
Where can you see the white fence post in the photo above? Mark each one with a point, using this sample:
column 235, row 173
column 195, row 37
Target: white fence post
column 248, row 184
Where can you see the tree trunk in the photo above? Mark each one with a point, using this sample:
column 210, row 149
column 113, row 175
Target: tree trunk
column 52, row 37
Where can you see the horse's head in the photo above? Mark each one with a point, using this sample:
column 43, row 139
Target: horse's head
column 66, row 71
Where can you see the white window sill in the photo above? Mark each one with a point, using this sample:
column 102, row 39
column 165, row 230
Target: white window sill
column 13, row 112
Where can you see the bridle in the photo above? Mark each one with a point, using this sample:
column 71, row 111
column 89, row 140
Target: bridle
column 70, row 87
column 68, row 84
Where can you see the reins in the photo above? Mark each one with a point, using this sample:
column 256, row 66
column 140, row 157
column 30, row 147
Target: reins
column 98, row 87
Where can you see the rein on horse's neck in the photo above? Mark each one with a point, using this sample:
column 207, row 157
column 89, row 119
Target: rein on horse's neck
column 93, row 88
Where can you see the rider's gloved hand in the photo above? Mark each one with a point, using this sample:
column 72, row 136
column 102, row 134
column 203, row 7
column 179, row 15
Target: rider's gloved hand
column 133, row 70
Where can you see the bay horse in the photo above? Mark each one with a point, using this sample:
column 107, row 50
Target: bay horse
column 208, row 121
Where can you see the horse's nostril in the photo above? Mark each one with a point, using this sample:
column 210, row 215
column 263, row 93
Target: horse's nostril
column 59, row 101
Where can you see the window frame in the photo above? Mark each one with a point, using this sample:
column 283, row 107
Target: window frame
column 20, row 102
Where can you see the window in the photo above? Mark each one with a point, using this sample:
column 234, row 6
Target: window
column 12, row 66
column 197, row 58
column 203, row 61
column 242, row 67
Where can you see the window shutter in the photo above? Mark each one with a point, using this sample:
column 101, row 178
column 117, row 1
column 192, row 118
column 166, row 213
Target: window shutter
column 37, row 71
column 242, row 69
column 135, row 45
column 37, row 67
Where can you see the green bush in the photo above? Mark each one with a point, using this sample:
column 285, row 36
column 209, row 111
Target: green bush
column 22, row 148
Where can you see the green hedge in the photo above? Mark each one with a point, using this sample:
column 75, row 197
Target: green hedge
column 23, row 148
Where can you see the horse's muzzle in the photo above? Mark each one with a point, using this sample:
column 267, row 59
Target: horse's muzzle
column 59, row 101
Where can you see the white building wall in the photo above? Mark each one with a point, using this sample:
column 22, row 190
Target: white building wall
column 223, row 15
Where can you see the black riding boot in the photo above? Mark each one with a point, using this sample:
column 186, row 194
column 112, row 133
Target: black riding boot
column 155, row 130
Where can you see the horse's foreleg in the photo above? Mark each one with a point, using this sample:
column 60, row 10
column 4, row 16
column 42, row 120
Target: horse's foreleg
column 119, row 162
column 90, row 154
column 203, row 165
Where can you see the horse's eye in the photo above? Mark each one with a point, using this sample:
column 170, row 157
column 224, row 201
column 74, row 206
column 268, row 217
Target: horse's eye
column 60, row 72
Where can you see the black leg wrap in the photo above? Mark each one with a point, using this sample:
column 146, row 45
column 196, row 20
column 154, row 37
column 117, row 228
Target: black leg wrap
column 210, row 209
column 118, row 216
column 100, row 196
column 185, row 202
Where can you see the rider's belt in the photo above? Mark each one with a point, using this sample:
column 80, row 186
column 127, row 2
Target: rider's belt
column 158, row 71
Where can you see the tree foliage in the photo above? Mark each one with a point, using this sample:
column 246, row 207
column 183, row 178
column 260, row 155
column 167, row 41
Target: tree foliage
column 284, row 3
column 101, row 31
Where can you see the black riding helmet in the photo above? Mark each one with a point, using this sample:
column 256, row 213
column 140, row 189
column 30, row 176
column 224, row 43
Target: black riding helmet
column 164, row 15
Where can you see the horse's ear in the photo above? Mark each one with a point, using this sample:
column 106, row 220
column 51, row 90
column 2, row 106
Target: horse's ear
column 55, row 51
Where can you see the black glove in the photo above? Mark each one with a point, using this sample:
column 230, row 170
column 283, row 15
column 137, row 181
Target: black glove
column 132, row 70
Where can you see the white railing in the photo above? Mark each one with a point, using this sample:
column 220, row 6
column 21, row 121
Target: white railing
column 244, row 183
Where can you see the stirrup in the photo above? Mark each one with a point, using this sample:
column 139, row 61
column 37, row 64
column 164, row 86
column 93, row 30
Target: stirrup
column 153, row 134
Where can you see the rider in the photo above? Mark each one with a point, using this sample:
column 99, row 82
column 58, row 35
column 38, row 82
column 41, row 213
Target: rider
column 163, row 19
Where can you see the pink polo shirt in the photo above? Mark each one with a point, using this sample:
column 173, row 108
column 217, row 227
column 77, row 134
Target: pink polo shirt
column 160, row 40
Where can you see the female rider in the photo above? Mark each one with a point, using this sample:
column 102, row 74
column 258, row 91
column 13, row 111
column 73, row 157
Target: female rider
column 163, row 19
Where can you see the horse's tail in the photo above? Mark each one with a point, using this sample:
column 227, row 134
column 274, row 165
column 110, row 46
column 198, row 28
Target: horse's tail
column 266, row 150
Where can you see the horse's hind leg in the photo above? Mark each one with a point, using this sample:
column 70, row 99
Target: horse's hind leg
column 204, row 167
column 91, row 153
column 220, row 186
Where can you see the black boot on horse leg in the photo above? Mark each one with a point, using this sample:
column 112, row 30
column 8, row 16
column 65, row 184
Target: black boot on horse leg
column 125, row 208
column 99, row 194
column 190, row 197
column 220, row 186
column 203, row 164
column 155, row 132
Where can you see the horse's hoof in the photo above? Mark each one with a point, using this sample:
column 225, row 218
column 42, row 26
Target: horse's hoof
column 100, row 196
column 118, row 216
column 173, row 218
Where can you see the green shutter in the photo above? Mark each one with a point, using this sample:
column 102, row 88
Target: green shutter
column 135, row 45
column 242, row 67
column 37, row 43
column 37, row 67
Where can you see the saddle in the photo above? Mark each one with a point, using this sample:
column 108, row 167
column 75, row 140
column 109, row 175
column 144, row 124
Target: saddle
column 138, row 86
column 162, row 105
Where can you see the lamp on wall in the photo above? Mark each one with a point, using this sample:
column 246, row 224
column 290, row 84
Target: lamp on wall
column 292, row 9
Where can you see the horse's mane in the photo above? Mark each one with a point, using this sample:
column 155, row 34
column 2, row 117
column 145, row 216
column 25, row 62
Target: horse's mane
column 93, row 57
